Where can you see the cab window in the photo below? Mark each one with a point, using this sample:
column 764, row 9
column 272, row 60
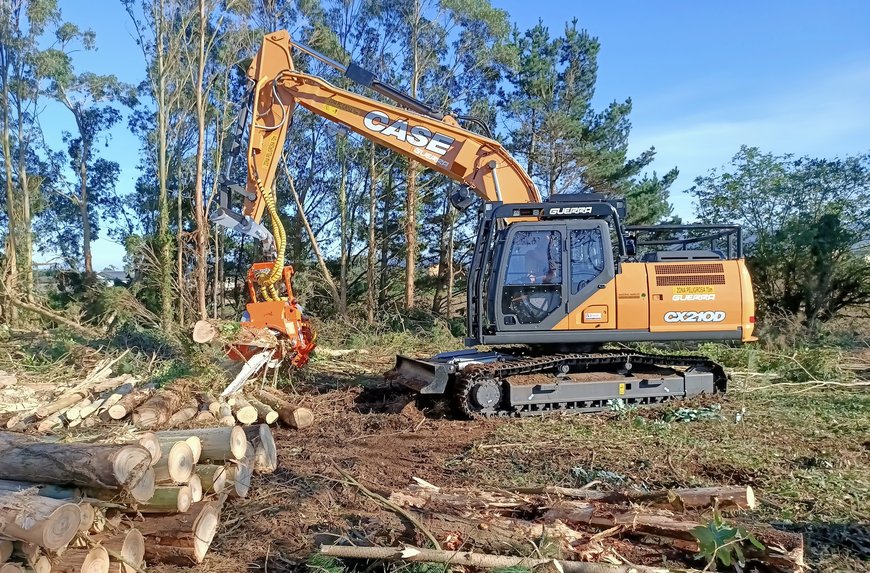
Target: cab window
column 587, row 257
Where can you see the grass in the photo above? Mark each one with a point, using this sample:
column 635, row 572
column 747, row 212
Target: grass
column 805, row 454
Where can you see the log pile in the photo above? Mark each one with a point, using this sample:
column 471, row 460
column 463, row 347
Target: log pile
column 593, row 530
column 99, row 507
column 101, row 398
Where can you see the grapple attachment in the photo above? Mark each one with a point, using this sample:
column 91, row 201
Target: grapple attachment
column 284, row 318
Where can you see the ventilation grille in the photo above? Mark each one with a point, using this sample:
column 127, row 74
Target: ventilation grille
column 691, row 269
column 690, row 280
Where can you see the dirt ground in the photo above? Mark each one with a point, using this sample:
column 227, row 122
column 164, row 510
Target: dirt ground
column 805, row 453
column 805, row 449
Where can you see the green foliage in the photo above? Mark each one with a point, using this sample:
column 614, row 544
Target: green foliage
column 720, row 542
column 567, row 145
column 803, row 220
column 318, row 563
column 684, row 414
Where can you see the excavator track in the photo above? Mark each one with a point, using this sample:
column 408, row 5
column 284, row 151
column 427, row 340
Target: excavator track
column 484, row 390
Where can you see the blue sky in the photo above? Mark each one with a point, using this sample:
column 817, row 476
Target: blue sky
column 789, row 76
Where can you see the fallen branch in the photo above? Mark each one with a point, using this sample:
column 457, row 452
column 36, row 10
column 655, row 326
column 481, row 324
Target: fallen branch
column 54, row 317
column 478, row 560
column 392, row 506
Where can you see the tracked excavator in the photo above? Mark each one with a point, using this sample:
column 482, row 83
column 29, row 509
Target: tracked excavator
column 552, row 284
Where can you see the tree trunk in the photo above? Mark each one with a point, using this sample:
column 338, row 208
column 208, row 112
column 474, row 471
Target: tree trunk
column 476, row 560
column 217, row 444
column 163, row 240
column 167, row 499
column 157, row 410
column 181, row 539
column 411, row 187
column 179, row 246
column 202, row 230
column 371, row 296
column 385, row 239
column 265, row 452
column 49, row 523
column 10, row 272
column 83, row 201
column 82, row 560
column 90, row 465
column 26, row 214
column 321, row 262
column 410, row 234
column 212, row 478
column 451, row 272
column 724, row 497
column 441, row 280
column 342, row 211
column 126, row 549
column 176, row 462
column 294, row 416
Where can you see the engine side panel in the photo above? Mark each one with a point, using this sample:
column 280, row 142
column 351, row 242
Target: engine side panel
column 695, row 296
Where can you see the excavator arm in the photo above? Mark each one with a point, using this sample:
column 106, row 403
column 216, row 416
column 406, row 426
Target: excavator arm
column 408, row 127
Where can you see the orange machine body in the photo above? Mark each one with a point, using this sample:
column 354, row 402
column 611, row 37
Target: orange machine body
column 714, row 296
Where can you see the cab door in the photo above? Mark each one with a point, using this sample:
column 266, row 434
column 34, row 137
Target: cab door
column 590, row 277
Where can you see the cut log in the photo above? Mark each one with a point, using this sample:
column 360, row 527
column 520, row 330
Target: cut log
column 6, row 547
column 181, row 416
column 239, row 479
column 143, row 491
column 176, row 462
column 34, row 556
column 127, row 404
column 193, row 441
column 94, row 385
column 244, row 412
column 725, row 497
column 216, row 444
column 265, row 452
column 476, row 560
column 167, row 499
column 205, row 417
column 74, row 412
column 204, row 332
column 126, row 550
column 213, row 478
column 117, row 394
column 156, row 410
column 82, row 560
column 294, row 416
column 265, row 413
column 225, row 415
column 92, row 465
column 148, row 440
column 181, row 539
column 195, row 485
column 92, row 408
column 12, row 568
column 50, row 423
column 49, row 523
column 89, row 515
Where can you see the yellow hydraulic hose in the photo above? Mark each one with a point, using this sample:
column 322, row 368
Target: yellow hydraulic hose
column 267, row 280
